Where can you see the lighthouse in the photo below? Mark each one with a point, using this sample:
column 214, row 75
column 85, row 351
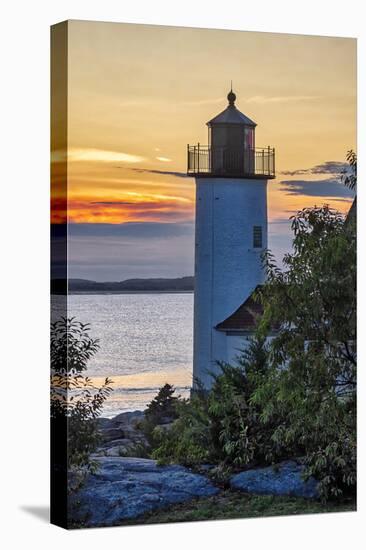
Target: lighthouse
column 231, row 176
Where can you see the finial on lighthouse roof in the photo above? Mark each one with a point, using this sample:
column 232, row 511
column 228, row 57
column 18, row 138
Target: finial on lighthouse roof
column 231, row 115
column 231, row 96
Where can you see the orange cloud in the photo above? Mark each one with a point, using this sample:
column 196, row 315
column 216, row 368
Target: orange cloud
column 129, row 207
column 111, row 206
column 80, row 154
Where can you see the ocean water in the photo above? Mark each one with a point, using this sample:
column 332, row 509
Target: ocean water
column 145, row 341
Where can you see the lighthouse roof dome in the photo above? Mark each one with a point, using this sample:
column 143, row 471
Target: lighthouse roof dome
column 231, row 115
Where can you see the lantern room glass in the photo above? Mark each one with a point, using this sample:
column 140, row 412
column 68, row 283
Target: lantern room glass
column 249, row 137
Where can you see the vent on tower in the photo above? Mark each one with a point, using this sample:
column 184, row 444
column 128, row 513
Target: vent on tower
column 257, row 236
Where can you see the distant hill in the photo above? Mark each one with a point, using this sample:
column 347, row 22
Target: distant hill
column 181, row 284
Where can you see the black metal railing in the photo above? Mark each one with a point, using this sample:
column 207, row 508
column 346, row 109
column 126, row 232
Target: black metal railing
column 228, row 162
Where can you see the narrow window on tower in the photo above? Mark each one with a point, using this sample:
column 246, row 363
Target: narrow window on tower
column 257, row 236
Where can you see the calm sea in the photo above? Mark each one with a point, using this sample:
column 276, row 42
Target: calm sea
column 145, row 341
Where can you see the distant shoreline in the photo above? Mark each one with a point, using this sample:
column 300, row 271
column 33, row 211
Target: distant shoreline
column 128, row 292
column 128, row 286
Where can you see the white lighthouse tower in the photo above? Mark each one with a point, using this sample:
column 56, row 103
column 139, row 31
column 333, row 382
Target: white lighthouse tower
column 231, row 230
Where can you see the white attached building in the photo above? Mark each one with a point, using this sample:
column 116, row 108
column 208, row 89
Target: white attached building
column 231, row 232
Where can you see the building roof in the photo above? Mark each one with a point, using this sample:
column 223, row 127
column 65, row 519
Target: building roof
column 231, row 115
column 245, row 318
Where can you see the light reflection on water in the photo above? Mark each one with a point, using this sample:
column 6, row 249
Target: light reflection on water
column 145, row 341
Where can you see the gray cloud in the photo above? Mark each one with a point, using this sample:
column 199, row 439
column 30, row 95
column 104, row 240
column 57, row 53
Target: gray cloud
column 332, row 167
column 317, row 188
column 132, row 230
column 111, row 252
column 161, row 172
column 114, row 252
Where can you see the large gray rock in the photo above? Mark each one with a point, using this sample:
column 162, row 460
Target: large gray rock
column 131, row 417
column 122, row 426
column 282, row 479
column 125, row 488
column 117, row 447
column 111, row 434
column 104, row 423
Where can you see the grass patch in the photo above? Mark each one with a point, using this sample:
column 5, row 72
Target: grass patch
column 235, row 505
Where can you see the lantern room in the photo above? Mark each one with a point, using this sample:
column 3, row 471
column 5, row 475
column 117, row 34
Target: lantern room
column 231, row 150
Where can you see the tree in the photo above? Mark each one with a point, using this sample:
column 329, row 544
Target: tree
column 189, row 440
column 76, row 401
column 223, row 426
column 161, row 410
column 71, row 345
column 349, row 176
column 238, row 434
column 295, row 396
column 312, row 301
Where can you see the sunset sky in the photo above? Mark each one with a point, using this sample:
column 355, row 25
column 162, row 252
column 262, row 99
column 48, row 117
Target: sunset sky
column 138, row 94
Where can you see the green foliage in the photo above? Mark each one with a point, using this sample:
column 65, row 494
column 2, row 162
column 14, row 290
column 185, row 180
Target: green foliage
column 74, row 396
column 71, row 345
column 313, row 303
column 334, row 464
column 294, row 397
column 161, row 410
column 140, row 449
column 222, row 426
column 162, row 407
column 77, row 398
column 188, row 441
column 243, row 438
column 349, row 176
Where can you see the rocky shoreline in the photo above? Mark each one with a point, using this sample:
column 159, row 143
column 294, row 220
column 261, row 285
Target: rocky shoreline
column 125, row 486
column 120, row 434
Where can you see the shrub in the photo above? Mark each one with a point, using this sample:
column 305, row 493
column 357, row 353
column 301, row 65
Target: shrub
column 223, row 425
column 161, row 410
column 76, row 401
column 162, row 407
column 71, row 345
column 242, row 436
column 189, row 440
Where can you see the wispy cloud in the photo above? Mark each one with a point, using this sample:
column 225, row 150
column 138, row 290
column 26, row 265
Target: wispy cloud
column 280, row 99
column 316, row 188
column 208, row 101
column 137, row 198
column 161, row 172
column 114, row 203
column 119, row 212
column 257, row 99
column 101, row 155
column 130, row 206
column 332, row 167
column 174, row 101
column 164, row 159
